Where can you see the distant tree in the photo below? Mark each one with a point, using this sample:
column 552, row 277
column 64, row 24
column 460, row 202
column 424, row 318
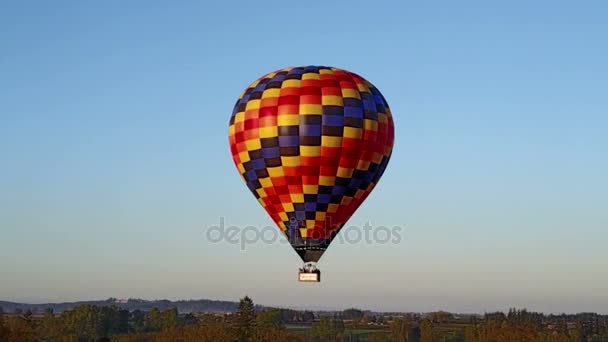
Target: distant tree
column 104, row 320
column 323, row 330
column 339, row 326
column 495, row 316
column 122, row 322
column 327, row 329
column 502, row 330
column 441, row 317
column 137, row 321
column 85, row 322
column 426, row 331
column 352, row 314
column 50, row 328
column 512, row 315
column 188, row 319
column 269, row 319
column 470, row 334
column 576, row 335
column 20, row 330
column 209, row 319
column 4, row 332
column 365, row 320
column 399, row 330
column 245, row 320
column 270, row 327
column 169, row 318
column 154, row 320
column 308, row 316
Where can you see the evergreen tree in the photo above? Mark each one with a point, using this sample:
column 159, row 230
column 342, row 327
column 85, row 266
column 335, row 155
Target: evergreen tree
column 245, row 320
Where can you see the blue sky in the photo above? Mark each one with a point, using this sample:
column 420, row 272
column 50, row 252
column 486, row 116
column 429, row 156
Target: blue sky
column 114, row 156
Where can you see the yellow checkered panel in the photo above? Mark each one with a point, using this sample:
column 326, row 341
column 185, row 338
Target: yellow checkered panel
column 311, row 143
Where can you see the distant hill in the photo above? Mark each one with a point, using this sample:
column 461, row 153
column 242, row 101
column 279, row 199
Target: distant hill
column 183, row 306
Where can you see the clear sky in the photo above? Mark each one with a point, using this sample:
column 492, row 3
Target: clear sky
column 114, row 155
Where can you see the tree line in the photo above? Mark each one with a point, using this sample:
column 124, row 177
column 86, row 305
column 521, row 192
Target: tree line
column 87, row 322
column 253, row 323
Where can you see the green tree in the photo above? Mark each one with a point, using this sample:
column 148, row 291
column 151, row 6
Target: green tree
column 82, row 322
column 188, row 319
column 352, row 314
column 269, row 319
column 169, row 318
column 122, row 322
column 50, row 325
column 20, row 330
column 269, row 327
column 245, row 320
column 137, row 321
column 154, row 321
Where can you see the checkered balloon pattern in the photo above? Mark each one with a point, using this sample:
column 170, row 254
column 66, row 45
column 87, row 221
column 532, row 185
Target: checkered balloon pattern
column 311, row 143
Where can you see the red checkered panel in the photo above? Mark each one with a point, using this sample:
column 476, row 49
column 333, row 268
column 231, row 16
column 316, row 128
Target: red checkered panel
column 311, row 143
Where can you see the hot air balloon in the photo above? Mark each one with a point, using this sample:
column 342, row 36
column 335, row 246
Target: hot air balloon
column 311, row 144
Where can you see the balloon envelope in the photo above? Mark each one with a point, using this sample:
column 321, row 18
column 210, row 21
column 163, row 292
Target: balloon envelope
column 311, row 143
